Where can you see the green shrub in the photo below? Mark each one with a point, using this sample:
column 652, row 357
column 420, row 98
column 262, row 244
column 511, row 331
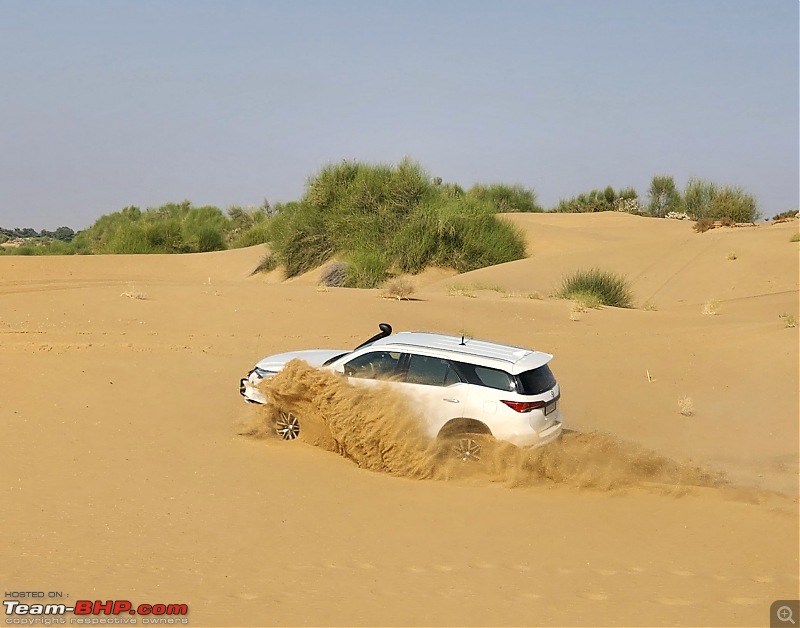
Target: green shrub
column 596, row 286
column 792, row 213
column 209, row 238
column 367, row 269
column 165, row 236
column 129, row 239
column 171, row 228
column 358, row 210
column 607, row 200
column 267, row 264
column 476, row 241
column 300, row 240
column 506, row 198
column 258, row 233
column 664, row 196
column 704, row 199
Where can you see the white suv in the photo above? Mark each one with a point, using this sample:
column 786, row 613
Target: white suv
column 464, row 389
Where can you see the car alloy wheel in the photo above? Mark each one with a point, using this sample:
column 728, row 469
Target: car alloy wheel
column 287, row 426
column 467, row 449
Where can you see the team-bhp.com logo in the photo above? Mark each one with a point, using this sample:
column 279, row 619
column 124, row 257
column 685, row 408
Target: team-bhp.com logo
column 95, row 612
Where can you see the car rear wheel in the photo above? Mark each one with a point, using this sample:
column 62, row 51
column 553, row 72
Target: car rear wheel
column 287, row 426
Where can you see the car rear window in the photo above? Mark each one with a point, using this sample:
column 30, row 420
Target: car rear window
column 535, row 381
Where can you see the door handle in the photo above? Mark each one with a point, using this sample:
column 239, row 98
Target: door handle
column 451, row 400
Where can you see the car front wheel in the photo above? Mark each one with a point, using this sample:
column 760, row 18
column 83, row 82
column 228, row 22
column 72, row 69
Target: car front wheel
column 287, row 426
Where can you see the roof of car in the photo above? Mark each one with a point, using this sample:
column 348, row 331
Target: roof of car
column 508, row 357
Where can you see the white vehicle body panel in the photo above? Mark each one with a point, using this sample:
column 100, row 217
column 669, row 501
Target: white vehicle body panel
column 438, row 404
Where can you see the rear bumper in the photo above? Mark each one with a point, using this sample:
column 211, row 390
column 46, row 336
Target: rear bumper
column 536, row 439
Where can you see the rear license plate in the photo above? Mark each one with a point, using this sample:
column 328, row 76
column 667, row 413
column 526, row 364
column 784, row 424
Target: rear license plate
column 550, row 407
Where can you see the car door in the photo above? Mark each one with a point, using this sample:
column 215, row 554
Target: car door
column 434, row 389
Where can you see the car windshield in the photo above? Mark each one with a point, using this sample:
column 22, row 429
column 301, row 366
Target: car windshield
column 535, row 381
column 334, row 358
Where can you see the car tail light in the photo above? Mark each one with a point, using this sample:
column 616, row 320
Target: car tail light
column 524, row 406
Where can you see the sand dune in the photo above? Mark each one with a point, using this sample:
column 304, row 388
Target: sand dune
column 126, row 476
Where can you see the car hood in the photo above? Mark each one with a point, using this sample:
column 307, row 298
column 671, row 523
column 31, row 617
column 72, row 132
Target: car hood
column 314, row 357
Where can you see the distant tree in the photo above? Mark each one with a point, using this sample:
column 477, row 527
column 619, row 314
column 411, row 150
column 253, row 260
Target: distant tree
column 664, row 196
column 65, row 234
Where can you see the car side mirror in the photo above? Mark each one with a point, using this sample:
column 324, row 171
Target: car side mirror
column 339, row 369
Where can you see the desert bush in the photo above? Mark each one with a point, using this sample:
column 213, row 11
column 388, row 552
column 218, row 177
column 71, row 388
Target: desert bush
column 387, row 219
column 597, row 287
column 267, row 264
column 792, row 213
column 506, row 198
column 795, row 237
column 593, row 201
column 258, row 233
column 300, row 239
column 471, row 240
column 626, row 200
column 367, row 269
column 127, row 240
column 399, row 288
column 40, row 246
column 335, row 275
column 171, row 228
column 705, row 199
column 664, row 196
column 732, row 205
column 703, row 225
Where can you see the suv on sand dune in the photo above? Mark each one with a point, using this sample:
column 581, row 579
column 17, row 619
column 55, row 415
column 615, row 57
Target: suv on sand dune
column 467, row 390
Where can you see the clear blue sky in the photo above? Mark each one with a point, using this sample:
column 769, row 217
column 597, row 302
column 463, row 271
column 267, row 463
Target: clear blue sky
column 107, row 103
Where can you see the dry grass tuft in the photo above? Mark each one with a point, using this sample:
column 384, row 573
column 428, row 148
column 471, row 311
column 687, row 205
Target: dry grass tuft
column 731, row 256
column 399, row 288
column 457, row 290
column 788, row 320
column 711, row 307
column 686, row 406
column 133, row 293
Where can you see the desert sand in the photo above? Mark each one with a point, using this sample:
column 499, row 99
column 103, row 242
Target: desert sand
column 126, row 475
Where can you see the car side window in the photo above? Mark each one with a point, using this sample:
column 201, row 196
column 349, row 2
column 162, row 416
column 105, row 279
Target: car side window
column 373, row 365
column 493, row 378
column 485, row 376
column 423, row 369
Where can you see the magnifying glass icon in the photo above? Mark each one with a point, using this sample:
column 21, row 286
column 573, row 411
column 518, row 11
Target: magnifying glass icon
column 784, row 613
